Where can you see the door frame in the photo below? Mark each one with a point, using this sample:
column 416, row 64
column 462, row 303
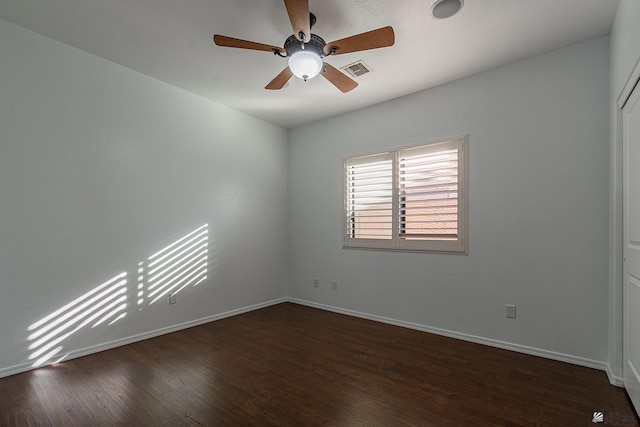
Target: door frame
column 616, row 259
column 616, row 242
column 631, row 253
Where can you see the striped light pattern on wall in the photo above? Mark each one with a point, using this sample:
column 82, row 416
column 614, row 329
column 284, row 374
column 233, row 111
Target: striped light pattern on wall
column 103, row 305
column 181, row 264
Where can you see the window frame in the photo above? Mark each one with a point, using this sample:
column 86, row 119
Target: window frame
column 396, row 242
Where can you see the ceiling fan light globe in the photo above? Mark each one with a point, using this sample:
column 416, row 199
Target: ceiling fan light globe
column 305, row 64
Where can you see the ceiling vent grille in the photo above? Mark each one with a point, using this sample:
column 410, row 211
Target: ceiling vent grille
column 357, row 69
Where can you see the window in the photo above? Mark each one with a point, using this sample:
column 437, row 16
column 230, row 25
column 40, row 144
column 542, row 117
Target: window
column 410, row 199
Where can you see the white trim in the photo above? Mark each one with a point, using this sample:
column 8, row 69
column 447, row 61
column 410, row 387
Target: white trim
column 73, row 354
column 613, row 379
column 562, row 357
column 616, row 340
column 617, row 381
column 615, row 244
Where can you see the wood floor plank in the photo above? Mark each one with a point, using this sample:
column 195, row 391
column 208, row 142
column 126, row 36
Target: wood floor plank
column 19, row 403
column 291, row 365
column 92, row 397
column 131, row 387
column 59, row 404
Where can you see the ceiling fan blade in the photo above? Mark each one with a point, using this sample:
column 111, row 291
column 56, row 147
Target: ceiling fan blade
column 298, row 11
column 280, row 80
column 338, row 79
column 244, row 44
column 382, row 37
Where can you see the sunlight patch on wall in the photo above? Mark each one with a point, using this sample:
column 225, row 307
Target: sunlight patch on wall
column 140, row 291
column 105, row 304
column 187, row 262
column 181, row 264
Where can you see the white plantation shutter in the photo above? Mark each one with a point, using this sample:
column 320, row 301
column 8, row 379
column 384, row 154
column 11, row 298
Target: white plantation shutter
column 410, row 199
column 369, row 197
column 428, row 192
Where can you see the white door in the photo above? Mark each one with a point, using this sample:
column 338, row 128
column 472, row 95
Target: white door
column 631, row 239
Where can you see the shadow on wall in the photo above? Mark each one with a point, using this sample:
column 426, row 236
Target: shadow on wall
column 183, row 264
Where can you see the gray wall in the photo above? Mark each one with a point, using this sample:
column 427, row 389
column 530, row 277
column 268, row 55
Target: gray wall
column 538, row 218
column 100, row 167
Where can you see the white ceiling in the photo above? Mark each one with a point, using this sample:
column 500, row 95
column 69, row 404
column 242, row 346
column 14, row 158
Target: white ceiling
column 171, row 40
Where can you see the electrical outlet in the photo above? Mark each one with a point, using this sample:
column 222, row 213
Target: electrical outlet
column 511, row 311
column 316, row 282
column 172, row 299
column 334, row 285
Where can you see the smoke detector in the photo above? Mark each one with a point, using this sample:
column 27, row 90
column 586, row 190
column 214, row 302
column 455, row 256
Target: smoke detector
column 443, row 9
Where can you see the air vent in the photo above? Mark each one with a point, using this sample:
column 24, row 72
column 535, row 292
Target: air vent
column 357, row 69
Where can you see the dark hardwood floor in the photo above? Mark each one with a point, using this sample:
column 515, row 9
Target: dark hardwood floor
column 290, row 365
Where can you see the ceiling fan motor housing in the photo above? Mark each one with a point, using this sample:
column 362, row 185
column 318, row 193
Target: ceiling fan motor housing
column 316, row 45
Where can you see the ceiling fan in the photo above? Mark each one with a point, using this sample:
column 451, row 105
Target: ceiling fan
column 306, row 50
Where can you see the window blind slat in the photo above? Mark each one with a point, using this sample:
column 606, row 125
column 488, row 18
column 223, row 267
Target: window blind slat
column 428, row 195
column 370, row 198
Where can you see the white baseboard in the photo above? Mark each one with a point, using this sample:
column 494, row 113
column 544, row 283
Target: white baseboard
column 613, row 379
column 12, row 370
column 617, row 381
column 471, row 338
